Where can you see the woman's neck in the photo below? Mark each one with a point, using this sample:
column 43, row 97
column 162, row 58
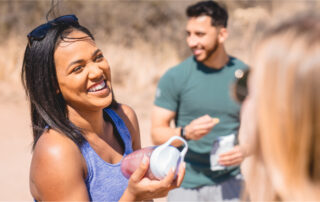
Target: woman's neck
column 88, row 121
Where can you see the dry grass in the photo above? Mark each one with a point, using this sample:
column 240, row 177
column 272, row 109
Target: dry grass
column 141, row 39
column 10, row 59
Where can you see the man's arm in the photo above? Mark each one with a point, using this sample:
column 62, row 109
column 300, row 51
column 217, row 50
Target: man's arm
column 246, row 137
column 160, row 126
column 161, row 130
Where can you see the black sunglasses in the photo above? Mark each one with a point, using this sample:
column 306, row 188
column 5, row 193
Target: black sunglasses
column 41, row 31
column 240, row 87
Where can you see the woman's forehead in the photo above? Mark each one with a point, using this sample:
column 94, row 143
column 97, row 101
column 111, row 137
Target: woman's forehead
column 76, row 46
column 74, row 42
column 75, row 36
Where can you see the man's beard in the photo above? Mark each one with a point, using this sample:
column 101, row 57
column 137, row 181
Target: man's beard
column 211, row 52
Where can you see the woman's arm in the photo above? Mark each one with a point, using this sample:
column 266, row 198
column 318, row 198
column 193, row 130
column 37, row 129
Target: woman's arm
column 57, row 170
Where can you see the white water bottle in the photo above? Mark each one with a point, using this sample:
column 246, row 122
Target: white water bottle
column 162, row 158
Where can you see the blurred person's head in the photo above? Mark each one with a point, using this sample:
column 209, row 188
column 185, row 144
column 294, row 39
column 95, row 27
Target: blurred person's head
column 284, row 93
column 206, row 30
column 60, row 72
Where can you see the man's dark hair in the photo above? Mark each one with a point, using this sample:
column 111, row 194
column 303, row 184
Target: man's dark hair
column 47, row 105
column 218, row 14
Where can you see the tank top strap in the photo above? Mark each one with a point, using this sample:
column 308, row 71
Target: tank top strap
column 122, row 129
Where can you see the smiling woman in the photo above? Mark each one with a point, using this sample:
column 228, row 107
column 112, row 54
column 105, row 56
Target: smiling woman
column 80, row 132
column 83, row 75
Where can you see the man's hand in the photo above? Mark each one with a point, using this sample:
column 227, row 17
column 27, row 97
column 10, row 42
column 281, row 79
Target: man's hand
column 200, row 127
column 233, row 157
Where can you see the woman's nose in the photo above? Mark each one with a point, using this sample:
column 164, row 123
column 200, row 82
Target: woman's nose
column 95, row 71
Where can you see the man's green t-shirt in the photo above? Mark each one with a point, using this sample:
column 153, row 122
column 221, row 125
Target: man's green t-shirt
column 192, row 90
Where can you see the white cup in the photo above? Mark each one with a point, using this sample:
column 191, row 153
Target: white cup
column 162, row 158
column 166, row 157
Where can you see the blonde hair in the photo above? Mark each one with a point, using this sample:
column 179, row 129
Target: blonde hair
column 286, row 76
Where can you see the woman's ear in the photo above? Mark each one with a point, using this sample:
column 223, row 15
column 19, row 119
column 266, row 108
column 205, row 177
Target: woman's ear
column 223, row 34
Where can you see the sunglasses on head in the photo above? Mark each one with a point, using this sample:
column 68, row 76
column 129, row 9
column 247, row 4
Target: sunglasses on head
column 41, row 31
column 240, row 87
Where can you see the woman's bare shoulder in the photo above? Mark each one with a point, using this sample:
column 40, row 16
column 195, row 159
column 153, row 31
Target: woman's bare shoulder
column 56, row 163
column 126, row 110
column 56, row 146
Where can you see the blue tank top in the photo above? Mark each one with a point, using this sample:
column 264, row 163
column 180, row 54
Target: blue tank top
column 105, row 181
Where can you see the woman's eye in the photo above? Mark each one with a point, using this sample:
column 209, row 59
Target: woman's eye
column 77, row 68
column 98, row 58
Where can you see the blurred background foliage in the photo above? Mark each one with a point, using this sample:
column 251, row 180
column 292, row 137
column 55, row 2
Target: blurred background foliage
column 140, row 38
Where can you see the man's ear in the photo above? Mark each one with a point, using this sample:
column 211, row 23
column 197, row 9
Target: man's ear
column 223, row 34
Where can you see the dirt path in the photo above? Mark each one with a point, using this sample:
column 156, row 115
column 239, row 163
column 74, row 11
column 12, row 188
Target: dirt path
column 15, row 145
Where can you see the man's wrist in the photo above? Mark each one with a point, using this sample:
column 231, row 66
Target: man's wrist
column 183, row 133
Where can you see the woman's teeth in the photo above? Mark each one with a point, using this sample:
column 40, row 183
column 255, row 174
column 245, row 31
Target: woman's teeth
column 98, row 87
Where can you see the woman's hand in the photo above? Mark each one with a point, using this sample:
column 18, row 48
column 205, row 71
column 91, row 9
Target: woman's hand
column 142, row 188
